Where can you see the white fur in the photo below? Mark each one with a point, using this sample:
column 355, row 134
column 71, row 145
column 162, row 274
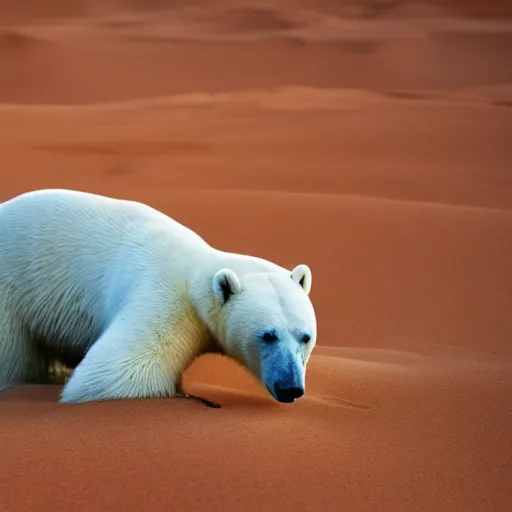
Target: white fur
column 131, row 297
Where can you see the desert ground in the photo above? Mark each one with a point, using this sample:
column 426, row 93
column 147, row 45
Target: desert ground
column 371, row 140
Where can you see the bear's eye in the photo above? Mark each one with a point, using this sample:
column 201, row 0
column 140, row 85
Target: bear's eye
column 270, row 336
column 305, row 338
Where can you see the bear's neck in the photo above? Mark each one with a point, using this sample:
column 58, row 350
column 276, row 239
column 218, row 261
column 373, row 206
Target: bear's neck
column 207, row 309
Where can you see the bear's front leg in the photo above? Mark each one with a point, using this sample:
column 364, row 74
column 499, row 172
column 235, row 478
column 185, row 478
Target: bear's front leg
column 99, row 378
column 134, row 359
column 121, row 364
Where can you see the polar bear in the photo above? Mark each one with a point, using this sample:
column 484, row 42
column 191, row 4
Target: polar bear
column 127, row 298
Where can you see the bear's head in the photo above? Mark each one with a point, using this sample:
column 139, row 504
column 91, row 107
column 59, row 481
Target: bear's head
column 267, row 323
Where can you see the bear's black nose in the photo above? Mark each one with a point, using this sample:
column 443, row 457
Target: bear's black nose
column 287, row 395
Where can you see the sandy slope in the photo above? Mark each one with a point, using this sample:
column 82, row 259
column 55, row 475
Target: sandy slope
column 370, row 140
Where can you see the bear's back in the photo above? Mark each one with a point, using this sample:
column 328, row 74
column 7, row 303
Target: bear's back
column 79, row 226
column 57, row 229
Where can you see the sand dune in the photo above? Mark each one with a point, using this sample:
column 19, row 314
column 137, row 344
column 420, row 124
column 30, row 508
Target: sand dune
column 368, row 139
column 134, row 50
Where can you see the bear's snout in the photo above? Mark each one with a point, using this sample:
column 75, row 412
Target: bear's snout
column 287, row 395
column 283, row 370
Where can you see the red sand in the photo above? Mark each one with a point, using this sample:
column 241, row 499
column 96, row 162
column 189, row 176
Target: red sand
column 371, row 140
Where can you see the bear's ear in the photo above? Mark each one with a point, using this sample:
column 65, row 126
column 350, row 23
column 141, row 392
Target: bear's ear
column 301, row 274
column 225, row 284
